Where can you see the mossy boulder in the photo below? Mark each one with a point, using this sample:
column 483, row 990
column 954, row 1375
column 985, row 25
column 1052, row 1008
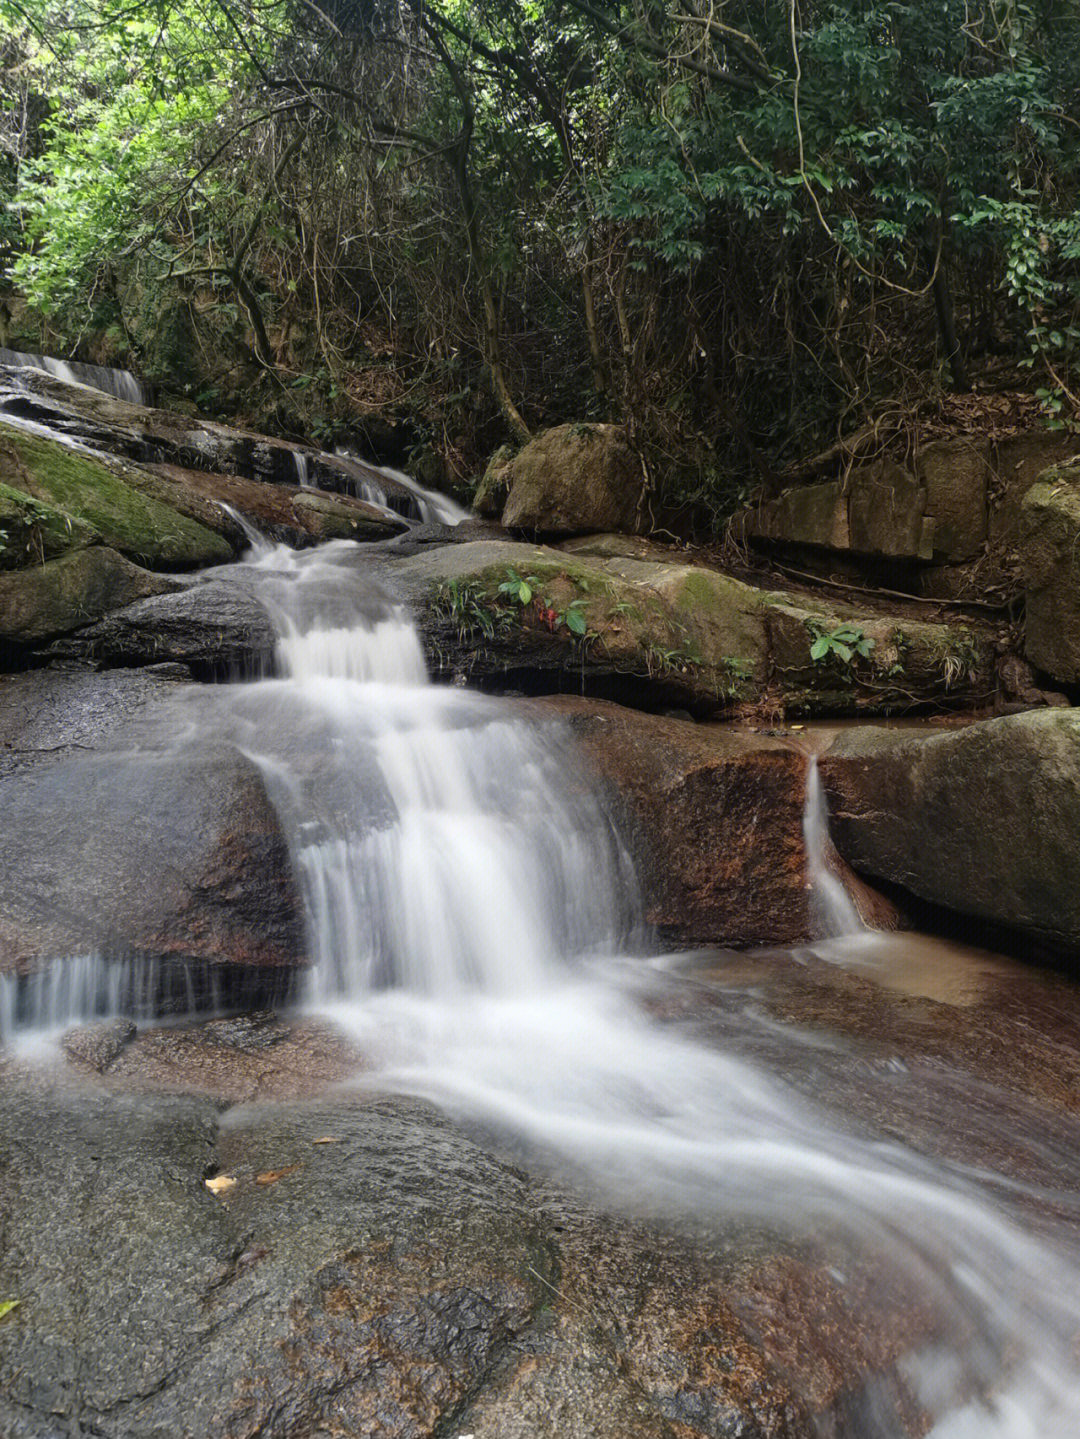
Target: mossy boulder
column 573, row 479
column 41, row 601
column 494, row 487
column 687, row 634
column 1050, row 554
column 94, row 493
column 32, row 531
column 663, row 632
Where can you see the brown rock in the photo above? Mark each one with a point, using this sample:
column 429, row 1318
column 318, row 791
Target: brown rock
column 713, row 818
column 955, row 473
column 575, row 478
column 74, row 851
column 887, row 508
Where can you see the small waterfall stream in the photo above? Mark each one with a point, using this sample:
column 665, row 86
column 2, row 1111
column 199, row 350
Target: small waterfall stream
column 834, row 908
column 474, row 923
column 471, row 921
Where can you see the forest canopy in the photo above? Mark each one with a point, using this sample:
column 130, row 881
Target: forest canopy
column 740, row 228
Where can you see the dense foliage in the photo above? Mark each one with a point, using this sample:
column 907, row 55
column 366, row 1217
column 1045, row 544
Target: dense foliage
column 743, row 228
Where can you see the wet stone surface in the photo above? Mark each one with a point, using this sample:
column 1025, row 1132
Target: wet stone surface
column 221, row 1229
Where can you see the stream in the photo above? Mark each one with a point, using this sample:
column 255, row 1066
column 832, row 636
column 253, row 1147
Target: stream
column 475, row 929
column 474, row 925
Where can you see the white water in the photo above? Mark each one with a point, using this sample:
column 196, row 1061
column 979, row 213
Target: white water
column 432, row 507
column 470, row 913
column 469, row 909
column 831, row 904
column 121, row 384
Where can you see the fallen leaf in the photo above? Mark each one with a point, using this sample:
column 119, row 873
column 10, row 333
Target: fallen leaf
column 220, row 1184
column 7, row 1305
column 327, row 1139
column 271, row 1176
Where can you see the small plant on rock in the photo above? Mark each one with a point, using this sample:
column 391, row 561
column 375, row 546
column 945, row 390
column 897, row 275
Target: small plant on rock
column 847, row 643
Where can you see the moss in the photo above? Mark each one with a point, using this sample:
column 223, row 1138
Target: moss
column 87, row 491
column 32, row 531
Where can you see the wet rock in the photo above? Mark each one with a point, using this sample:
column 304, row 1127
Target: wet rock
column 49, row 712
column 96, row 495
column 258, row 1030
column 982, row 820
column 215, row 627
column 663, row 632
column 574, row 478
column 98, row 1045
column 712, row 815
column 173, row 856
column 338, row 517
column 42, row 601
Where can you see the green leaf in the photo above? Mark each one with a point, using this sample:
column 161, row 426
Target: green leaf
column 575, row 622
column 524, row 593
column 820, row 648
column 7, row 1305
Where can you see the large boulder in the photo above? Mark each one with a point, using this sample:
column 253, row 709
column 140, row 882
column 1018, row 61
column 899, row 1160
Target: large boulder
column 712, row 816
column 575, row 478
column 662, row 631
column 216, row 628
column 983, row 820
column 1050, row 539
column 45, row 600
column 166, row 855
column 96, row 494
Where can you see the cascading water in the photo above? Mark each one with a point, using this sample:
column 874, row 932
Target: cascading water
column 833, row 907
column 469, row 910
column 121, row 384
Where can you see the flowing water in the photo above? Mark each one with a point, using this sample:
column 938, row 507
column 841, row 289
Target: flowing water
column 121, row 384
column 474, row 923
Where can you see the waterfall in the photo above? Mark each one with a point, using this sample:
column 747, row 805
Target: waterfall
column 121, row 384
column 432, row 507
column 474, row 923
column 473, row 920
column 833, row 908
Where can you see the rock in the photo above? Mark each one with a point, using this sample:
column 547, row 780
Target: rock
column 664, row 632
column 1016, row 463
column 41, row 601
column 955, row 473
column 1050, row 552
column 907, row 658
column 886, row 512
column 684, row 633
column 338, row 517
column 712, row 817
column 574, row 478
column 494, row 486
column 98, row 1045
column 214, row 626
column 32, row 532
column 807, row 515
column 47, row 712
column 96, row 495
column 74, row 850
column 983, row 820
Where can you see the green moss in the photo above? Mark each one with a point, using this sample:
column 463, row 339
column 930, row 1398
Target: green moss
column 32, row 531
column 87, row 491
